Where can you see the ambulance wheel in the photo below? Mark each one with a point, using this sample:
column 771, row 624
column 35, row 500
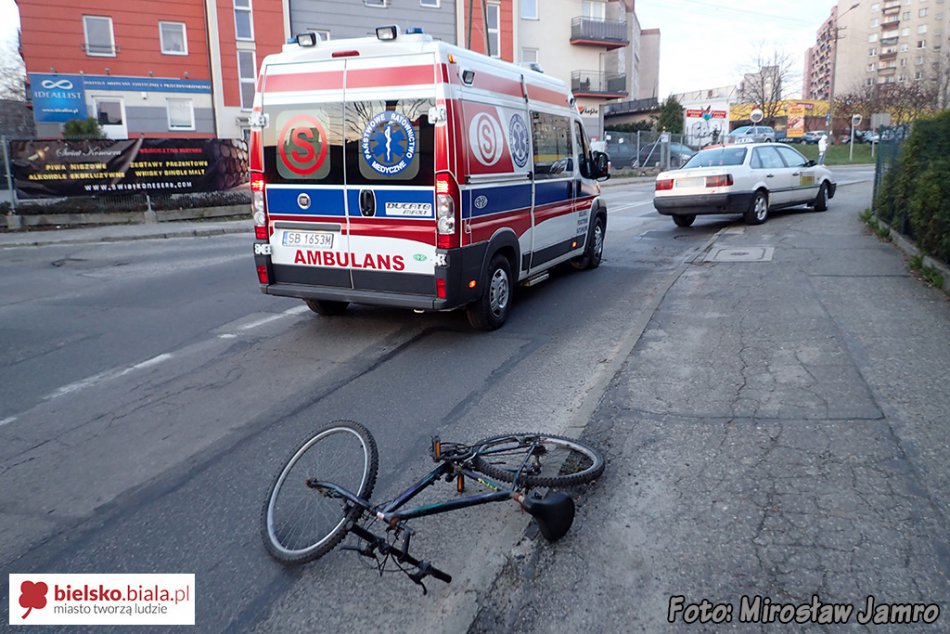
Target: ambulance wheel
column 326, row 308
column 491, row 310
column 595, row 247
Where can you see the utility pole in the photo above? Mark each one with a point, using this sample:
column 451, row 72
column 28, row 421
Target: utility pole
column 834, row 70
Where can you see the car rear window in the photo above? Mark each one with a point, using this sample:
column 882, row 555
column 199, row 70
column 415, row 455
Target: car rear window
column 717, row 157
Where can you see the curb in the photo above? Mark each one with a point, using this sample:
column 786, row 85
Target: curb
column 161, row 235
column 903, row 243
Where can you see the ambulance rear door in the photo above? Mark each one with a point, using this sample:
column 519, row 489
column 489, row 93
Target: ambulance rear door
column 348, row 161
column 389, row 156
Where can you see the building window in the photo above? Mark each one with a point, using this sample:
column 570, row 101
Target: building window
column 432, row 4
column 922, row 28
column 494, row 30
column 243, row 22
column 181, row 114
column 875, row 23
column 872, row 52
column 921, row 43
column 594, row 10
column 903, row 48
column 922, row 13
column 875, row 8
column 530, row 55
column 905, row 32
column 906, row 15
column 872, row 37
column 247, row 72
column 100, row 39
column 919, row 75
column 529, row 9
column 173, row 38
column 870, row 67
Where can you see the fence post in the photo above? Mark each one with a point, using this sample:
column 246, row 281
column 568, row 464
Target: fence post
column 150, row 216
column 13, row 220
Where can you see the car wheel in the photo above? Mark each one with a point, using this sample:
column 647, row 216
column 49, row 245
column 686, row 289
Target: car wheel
column 684, row 221
column 490, row 311
column 595, row 247
column 821, row 200
column 759, row 209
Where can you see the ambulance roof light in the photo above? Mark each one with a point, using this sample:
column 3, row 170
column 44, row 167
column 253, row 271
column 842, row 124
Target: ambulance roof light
column 388, row 32
column 307, row 39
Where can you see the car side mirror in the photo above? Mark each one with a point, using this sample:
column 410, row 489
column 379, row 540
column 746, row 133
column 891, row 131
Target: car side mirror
column 601, row 166
column 810, row 163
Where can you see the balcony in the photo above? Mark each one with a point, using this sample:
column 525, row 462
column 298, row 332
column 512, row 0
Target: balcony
column 891, row 22
column 592, row 83
column 889, row 53
column 606, row 33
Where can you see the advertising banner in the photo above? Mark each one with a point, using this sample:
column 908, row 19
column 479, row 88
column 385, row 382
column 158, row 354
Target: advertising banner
column 54, row 168
column 707, row 123
column 796, row 121
column 57, row 98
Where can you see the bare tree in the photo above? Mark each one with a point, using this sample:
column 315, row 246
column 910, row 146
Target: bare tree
column 764, row 82
column 905, row 100
column 12, row 73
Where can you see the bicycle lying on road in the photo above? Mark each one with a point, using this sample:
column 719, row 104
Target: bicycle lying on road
column 325, row 488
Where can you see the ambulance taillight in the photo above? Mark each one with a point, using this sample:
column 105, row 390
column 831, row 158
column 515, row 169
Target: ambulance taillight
column 259, row 206
column 447, row 205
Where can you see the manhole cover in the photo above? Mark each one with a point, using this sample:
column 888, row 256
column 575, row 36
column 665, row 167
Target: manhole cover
column 740, row 254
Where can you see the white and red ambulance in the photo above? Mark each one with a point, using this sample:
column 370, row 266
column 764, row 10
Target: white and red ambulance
column 401, row 171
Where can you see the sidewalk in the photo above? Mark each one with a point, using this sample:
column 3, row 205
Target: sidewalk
column 115, row 233
column 780, row 429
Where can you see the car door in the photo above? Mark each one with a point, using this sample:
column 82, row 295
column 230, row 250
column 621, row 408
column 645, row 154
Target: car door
column 802, row 179
column 768, row 165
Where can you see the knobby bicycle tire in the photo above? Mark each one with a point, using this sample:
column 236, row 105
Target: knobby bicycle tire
column 500, row 457
column 333, row 511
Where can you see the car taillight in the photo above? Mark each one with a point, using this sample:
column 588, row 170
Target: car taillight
column 259, row 206
column 722, row 180
column 664, row 185
column 446, row 211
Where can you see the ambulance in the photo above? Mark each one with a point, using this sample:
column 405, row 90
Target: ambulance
column 401, row 171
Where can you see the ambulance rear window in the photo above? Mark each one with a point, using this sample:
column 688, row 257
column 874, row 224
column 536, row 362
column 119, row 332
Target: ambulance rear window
column 353, row 143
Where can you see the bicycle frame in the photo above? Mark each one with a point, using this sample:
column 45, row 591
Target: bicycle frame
column 389, row 513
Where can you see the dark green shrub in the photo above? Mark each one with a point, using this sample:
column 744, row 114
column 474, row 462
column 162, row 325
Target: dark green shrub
column 914, row 196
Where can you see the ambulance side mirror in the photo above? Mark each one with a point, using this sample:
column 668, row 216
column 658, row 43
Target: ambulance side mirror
column 601, row 166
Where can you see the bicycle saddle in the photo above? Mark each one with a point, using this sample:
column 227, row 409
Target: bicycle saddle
column 554, row 513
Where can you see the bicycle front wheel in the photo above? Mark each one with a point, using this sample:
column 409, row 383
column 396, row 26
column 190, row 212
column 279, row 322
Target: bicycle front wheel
column 298, row 523
column 552, row 461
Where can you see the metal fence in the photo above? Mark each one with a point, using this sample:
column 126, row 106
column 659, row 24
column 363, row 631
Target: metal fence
column 888, row 152
column 647, row 149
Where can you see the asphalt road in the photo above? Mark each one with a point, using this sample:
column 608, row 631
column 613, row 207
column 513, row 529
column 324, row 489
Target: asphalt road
column 149, row 392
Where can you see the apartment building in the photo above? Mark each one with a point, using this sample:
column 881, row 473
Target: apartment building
column 336, row 19
column 177, row 68
column 596, row 46
column 891, row 41
column 820, row 60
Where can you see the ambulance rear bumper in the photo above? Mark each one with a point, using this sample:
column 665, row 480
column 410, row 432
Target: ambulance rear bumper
column 355, row 296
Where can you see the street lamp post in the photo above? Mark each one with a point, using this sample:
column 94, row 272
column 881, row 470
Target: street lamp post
column 834, row 70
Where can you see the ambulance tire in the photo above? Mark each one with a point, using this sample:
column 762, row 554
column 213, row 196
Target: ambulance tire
column 326, row 308
column 595, row 247
column 490, row 311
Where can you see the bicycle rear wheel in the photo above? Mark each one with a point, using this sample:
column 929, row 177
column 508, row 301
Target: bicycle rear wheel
column 299, row 524
column 555, row 461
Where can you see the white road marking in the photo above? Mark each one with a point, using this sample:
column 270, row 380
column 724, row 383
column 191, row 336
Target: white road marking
column 261, row 322
column 108, row 375
column 628, row 206
column 296, row 310
column 227, row 336
column 7, row 420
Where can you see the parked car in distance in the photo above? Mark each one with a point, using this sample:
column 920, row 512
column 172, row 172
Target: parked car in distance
column 813, row 136
column 751, row 134
column 749, row 179
column 625, row 154
column 870, row 137
column 791, row 139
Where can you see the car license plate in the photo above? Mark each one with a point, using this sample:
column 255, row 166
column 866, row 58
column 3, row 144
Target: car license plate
column 313, row 239
column 691, row 182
